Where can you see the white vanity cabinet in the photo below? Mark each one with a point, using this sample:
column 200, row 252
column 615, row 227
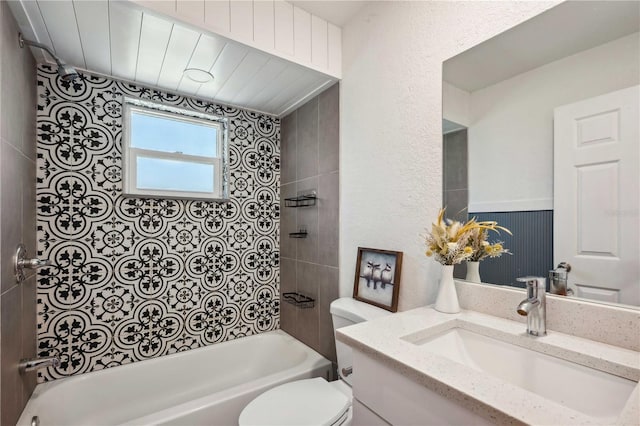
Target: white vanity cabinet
column 385, row 395
column 364, row 416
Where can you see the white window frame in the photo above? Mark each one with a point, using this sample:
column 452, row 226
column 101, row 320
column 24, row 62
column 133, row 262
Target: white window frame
column 130, row 154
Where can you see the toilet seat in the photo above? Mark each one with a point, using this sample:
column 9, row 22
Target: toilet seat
column 299, row 403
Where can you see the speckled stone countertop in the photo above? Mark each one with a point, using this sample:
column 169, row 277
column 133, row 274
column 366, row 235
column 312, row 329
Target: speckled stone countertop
column 394, row 341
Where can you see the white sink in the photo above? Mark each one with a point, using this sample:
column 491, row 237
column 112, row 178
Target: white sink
column 589, row 391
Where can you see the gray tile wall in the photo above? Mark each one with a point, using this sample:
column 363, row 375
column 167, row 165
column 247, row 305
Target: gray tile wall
column 17, row 216
column 309, row 161
column 455, row 185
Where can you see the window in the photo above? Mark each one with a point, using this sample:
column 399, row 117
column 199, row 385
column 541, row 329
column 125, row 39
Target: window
column 170, row 152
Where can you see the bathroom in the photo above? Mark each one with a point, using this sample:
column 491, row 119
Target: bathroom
column 332, row 107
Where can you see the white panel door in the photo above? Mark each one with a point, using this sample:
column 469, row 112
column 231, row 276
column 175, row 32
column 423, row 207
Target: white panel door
column 596, row 195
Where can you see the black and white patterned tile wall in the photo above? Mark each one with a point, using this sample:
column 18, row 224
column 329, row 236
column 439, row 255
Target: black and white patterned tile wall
column 134, row 278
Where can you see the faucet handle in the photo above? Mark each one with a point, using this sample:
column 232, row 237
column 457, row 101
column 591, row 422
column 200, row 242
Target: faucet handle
column 532, row 281
column 536, row 286
column 21, row 262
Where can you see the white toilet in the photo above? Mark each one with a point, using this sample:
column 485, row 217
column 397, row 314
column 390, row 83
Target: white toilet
column 314, row 401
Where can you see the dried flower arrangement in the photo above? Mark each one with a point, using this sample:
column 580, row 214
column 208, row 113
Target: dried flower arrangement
column 451, row 242
column 483, row 248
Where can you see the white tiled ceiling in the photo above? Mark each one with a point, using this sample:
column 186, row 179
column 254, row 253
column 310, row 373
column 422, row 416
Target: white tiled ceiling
column 117, row 39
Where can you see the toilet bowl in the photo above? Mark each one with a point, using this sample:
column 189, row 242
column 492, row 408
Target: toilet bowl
column 314, row 401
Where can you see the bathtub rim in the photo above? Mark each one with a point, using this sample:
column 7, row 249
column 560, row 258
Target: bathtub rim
column 313, row 361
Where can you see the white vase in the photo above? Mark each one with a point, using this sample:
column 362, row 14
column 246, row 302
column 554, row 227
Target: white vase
column 447, row 300
column 473, row 272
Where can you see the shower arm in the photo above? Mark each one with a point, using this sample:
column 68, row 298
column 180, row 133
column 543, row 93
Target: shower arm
column 67, row 73
column 44, row 47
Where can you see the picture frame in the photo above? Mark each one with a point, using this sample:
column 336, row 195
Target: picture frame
column 377, row 279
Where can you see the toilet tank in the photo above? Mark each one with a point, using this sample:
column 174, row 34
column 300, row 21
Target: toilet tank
column 348, row 311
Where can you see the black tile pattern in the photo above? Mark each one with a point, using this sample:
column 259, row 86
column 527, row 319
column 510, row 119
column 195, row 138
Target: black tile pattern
column 139, row 278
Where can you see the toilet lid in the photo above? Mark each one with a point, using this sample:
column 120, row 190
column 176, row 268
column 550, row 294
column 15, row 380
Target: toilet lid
column 303, row 402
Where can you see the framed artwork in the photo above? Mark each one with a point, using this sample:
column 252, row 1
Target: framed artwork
column 377, row 279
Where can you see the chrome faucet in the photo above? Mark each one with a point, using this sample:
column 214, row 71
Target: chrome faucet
column 558, row 280
column 27, row 365
column 534, row 306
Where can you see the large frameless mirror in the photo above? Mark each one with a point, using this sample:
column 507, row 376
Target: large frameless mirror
column 541, row 133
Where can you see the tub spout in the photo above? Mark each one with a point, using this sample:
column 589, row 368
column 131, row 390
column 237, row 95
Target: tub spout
column 33, row 364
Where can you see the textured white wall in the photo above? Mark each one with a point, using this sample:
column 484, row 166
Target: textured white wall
column 513, row 120
column 391, row 126
column 455, row 104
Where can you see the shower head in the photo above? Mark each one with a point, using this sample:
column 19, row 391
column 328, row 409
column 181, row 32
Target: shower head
column 65, row 71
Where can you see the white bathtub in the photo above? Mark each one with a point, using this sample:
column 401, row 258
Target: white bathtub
column 206, row 386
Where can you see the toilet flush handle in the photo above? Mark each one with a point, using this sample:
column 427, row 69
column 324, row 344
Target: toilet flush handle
column 347, row 371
